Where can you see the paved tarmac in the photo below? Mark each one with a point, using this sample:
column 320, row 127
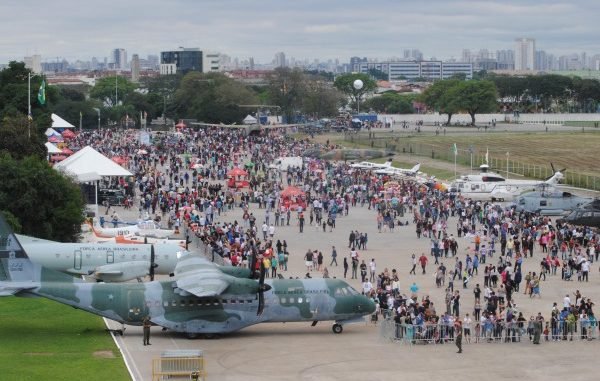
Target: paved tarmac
column 297, row 351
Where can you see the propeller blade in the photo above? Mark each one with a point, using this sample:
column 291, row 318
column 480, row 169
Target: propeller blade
column 552, row 166
column 153, row 265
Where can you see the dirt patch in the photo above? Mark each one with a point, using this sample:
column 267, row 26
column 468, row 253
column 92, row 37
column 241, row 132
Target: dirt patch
column 104, row 354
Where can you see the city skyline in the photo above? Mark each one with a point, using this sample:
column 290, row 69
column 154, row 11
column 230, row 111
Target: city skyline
column 308, row 29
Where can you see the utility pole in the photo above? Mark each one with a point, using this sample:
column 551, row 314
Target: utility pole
column 116, row 89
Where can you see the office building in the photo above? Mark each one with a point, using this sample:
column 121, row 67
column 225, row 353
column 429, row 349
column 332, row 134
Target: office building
column 524, row 54
column 211, row 61
column 135, row 68
column 119, row 59
column 181, row 61
column 34, row 63
column 429, row 70
column 279, row 60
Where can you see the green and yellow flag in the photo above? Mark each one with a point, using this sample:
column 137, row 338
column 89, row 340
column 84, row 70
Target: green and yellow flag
column 42, row 93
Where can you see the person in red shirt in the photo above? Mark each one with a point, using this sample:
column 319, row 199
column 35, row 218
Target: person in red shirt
column 423, row 261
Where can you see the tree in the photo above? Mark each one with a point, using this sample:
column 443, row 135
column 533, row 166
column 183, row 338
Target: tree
column 46, row 204
column 345, row 84
column 378, row 74
column 320, row 99
column 391, row 103
column 441, row 96
column 16, row 141
column 475, row 97
column 212, row 98
column 110, row 90
column 287, row 89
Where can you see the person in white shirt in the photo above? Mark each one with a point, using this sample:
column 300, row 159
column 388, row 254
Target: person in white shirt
column 566, row 301
column 271, row 231
column 467, row 321
column 372, row 268
column 367, row 287
column 265, row 229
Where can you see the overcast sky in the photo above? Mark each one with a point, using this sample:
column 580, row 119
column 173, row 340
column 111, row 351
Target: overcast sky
column 80, row 29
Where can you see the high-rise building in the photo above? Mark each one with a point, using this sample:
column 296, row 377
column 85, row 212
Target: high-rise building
column 211, row 61
column 251, row 63
column 506, row 59
column 183, row 60
column 525, row 54
column 34, row 63
column 279, row 60
column 119, row 59
column 135, row 68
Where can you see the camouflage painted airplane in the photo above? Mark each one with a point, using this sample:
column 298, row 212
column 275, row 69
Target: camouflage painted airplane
column 203, row 298
column 348, row 154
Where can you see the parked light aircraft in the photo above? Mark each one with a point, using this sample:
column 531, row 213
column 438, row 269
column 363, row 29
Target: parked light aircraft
column 492, row 186
column 106, row 262
column 368, row 165
column 203, row 299
column 394, row 171
column 549, row 201
column 143, row 228
column 132, row 239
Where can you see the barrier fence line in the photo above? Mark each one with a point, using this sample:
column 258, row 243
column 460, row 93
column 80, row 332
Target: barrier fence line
column 515, row 167
column 488, row 332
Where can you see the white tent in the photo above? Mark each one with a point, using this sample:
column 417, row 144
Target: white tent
column 52, row 148
column 88, row 160
column 250, row 120
column 58, row 122
column 50, row 131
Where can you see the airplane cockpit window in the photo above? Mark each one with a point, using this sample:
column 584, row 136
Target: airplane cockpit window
column 521, row 201
column 543, row 203
column 342, row 291
column 352, row 291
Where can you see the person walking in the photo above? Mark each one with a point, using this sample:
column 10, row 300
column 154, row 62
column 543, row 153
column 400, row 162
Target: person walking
column 333, row 256
column 414, row 265
column 458, row 337
column 147, row 324
column 345, row 267
column 423, row 261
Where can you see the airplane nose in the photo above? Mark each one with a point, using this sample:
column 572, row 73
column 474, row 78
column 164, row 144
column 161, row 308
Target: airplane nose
column 365, row 304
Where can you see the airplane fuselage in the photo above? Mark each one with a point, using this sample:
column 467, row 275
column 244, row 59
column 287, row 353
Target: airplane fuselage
column 287, row 301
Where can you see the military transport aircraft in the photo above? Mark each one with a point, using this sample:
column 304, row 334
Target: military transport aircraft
column 106, row 262
column 586, row 215
column 202, row 299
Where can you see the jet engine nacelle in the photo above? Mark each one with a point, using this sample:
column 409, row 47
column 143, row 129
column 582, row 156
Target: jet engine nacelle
column 122, row 272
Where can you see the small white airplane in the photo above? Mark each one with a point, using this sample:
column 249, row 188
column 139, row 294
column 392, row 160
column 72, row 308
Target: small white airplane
column 368, row 165
column 90, row 237
column 143, row 228
column 399, row 171
column 106, row 262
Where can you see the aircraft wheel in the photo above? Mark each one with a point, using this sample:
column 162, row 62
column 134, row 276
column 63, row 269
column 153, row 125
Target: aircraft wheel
column 337, row 328
column 191, row 335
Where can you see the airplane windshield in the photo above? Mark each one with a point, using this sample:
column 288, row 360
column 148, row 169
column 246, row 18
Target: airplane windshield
column 352, row 291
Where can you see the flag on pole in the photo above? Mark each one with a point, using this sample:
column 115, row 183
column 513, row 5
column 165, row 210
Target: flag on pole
column 487, row 152
column 455, row 149
column 42, row 93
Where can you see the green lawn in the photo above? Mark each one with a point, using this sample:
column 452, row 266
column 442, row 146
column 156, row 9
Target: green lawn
column 45, row 340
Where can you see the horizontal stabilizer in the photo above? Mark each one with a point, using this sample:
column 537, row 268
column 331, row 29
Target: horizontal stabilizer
column 12, row 288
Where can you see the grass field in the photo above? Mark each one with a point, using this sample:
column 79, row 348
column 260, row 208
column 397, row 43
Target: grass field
column 575, row 151
column 44, row 340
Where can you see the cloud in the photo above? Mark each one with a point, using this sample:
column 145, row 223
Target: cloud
column 308, row 28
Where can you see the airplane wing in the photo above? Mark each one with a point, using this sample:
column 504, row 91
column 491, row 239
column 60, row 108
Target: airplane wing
column 198, row 276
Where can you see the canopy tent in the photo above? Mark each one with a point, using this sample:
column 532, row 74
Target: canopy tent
column 50, row 131
column 52, row 148
column 67, row 151
column 292, row 192
column 119, row 160
column 250, row 120
column 56, row 139
column 180, row 125
column 89, row 160
column 58, row 122
column 68, row 134
column 237, row 172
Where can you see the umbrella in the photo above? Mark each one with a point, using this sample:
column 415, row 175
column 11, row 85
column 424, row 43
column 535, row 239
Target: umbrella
column 249, row 164
column 142, row 152
column 68, row 134
column 197, row 165
column 67, row 151
column 58, row 158
column 55, row 139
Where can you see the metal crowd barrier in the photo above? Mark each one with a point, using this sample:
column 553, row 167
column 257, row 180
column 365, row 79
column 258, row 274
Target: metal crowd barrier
column 179, row 364
column 487, row 332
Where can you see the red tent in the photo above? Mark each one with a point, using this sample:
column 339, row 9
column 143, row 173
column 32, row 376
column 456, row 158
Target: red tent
column 57, row 158
column 68, row 134
column 119, row 160
column 55, row 139
column 180, row 125
column 67, row 151
column 292, row 192
column 237, row 172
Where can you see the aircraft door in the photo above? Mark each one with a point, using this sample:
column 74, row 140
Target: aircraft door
column 110, row 257
column 77, row 260
column 136, row 304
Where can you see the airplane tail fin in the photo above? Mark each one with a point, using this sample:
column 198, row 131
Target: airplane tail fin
column 388, row 163
column 416, row 168
column 555, row 179
column 17, row 272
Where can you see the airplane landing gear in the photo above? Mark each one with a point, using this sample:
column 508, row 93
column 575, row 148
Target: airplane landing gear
column 337, row 328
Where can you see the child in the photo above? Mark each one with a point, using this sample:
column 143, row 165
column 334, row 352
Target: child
column 546, row 331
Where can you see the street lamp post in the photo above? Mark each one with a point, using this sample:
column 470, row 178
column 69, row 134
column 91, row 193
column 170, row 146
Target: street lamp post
column 358, row 85
column 98, row 111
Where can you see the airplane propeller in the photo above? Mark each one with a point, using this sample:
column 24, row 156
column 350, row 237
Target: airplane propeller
column 153, row 265
column 262, row 287
column 554, row 171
